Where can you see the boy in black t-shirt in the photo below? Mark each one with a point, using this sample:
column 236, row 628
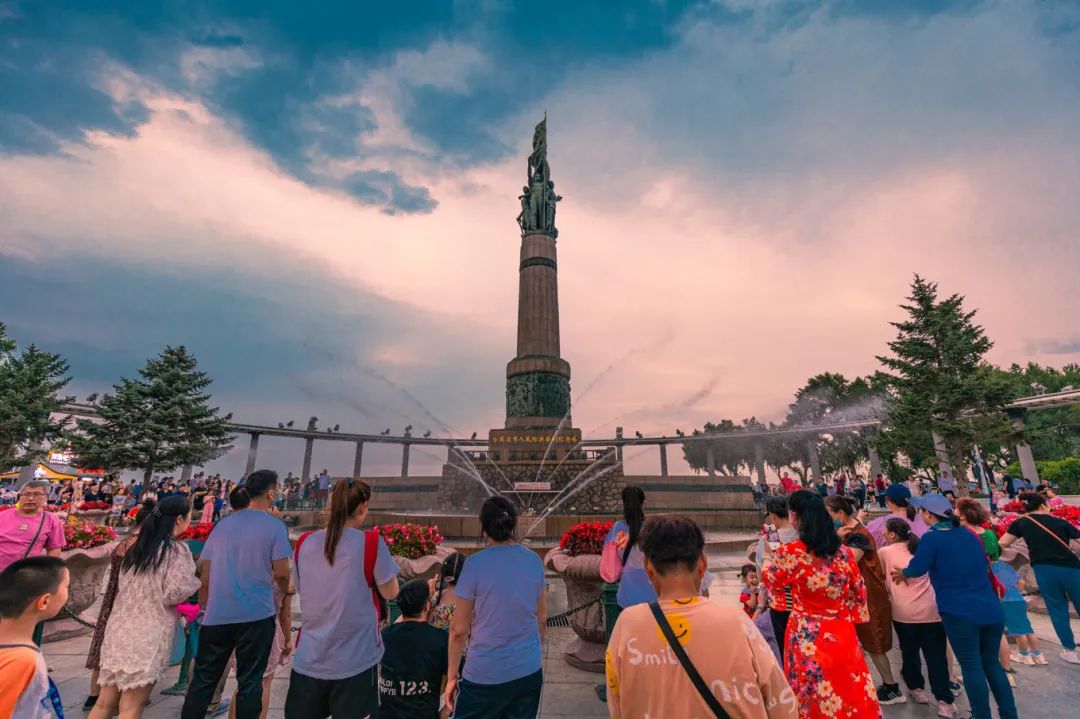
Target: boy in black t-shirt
column 415, row 659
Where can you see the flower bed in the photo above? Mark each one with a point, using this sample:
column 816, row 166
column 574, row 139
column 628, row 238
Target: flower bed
column 411, row 541
column 92, row 504
column 585, row 538
column 197, row 532
column 80, row 534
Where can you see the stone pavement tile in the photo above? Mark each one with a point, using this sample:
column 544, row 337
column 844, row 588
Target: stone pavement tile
column 577, row 699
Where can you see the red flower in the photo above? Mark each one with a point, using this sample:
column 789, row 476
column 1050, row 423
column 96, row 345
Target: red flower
column 411, row 541
column 585, row 538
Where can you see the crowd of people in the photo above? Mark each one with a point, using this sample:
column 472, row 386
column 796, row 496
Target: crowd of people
column 827, row 589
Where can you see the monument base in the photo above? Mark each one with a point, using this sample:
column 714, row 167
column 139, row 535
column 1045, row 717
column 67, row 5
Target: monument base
column 536, row 469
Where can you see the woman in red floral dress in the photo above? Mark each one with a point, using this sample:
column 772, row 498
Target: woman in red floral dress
column 822, row 657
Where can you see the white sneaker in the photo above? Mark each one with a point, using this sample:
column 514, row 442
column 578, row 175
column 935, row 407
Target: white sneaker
column 1039, row 659
column 919, row 695
column 947, row 710
column 1022, row 659
column 1070, row 656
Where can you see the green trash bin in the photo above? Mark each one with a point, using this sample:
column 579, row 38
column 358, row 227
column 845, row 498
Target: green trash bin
column 609, row 598
column 609, row 601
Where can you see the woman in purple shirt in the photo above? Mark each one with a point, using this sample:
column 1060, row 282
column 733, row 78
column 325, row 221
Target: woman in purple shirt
column 898, row 502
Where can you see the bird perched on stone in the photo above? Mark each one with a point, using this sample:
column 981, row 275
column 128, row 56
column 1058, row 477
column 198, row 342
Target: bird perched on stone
column 336, row 427
column 427, row 434
column 281, row 425
column 680, row 433
column 385, row 432
column 639, row 435
column 289, row 424
column 474, row 435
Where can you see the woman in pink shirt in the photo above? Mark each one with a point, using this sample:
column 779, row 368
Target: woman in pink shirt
column 916, row 620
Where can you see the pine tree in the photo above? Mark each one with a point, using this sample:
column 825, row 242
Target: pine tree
column 940, row 382
column 160, row 421
column 30, row 386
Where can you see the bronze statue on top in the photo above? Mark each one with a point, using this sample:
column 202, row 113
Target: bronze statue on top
column 538, row 198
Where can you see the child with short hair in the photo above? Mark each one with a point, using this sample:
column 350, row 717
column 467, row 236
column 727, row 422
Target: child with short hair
column 31, row 590
column 1017, row 623
column 751, row 590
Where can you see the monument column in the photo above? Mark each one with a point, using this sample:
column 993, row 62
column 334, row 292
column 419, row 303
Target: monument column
column 538, row 379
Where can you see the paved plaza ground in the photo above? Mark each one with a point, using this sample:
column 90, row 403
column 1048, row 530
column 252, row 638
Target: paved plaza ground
column 1042, row 692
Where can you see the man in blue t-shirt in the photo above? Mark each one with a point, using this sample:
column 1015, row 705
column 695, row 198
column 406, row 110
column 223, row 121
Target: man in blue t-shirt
column 244, row 557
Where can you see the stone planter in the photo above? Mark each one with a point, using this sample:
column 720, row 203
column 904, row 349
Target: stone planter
column 425, row 567
column 94, row 516
column 89, row 569
column 581, row 575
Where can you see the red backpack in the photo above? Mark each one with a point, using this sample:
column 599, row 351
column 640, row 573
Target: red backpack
column 371, row 550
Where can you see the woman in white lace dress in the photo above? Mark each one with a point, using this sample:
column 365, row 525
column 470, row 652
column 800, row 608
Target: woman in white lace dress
column 157, row 573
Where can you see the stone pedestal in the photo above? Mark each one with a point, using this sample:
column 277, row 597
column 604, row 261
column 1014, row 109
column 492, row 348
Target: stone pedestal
column 581, row 575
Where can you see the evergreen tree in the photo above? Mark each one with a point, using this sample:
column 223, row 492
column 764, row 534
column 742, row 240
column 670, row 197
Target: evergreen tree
column 160, row 421
column 30, row 386
column 940, row 383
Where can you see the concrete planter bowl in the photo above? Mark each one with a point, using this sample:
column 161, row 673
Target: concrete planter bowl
column 581, row 576
column 88, row 569
column 94, row 516
column 424, row 567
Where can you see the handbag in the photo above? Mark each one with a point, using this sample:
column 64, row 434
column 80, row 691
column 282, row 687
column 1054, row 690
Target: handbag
column 691, row 671
column 1044, row 528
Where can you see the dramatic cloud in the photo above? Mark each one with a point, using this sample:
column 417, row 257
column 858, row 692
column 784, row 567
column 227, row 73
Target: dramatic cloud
column 320, row 202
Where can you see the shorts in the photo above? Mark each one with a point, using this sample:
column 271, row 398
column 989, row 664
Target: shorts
column 355, row 697
column 516, row 699
column 1016, row 618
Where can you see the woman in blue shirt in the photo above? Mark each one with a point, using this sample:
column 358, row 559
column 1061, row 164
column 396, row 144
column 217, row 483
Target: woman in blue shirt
column 500, row 612
column 970, row 610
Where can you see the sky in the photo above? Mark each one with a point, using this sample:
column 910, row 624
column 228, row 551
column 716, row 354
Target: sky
column 319, row 200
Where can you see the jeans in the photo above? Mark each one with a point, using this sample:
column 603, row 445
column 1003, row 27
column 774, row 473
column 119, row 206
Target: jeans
column 976, row 649
column 252, row 642
column 1058, row 585
column 929, row 640
column 517, row 699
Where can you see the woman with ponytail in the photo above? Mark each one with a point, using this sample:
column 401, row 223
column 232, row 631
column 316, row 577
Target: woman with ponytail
column 917, row 622
column 501, row 613
column 337, row 572
column 967, row 601
column 444, row 603
column 156, row 573
column 621, row 559
column 822, row 657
